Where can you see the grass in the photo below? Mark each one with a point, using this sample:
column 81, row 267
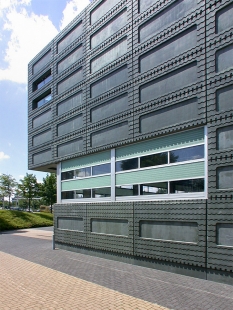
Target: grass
column 10, row 220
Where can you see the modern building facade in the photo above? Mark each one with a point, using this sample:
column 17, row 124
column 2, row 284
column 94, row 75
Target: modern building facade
column 132, row 106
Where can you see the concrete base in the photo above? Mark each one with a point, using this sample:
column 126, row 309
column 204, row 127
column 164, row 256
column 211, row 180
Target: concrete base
column 191, row 271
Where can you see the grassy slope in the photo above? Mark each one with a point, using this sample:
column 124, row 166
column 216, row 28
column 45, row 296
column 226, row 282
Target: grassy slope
column 10, row 220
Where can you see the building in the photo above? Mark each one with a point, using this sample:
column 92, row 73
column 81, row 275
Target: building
column 131, row 105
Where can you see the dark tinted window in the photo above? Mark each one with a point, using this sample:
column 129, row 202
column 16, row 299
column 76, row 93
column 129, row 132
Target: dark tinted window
column 153, row 160
column 154, row 188
column 126, row 190
column 187, row 186
column 127, row 164
column 101, row 192
column 67, row 175
column 67, row 195
column 101, row 169
column 189, row 153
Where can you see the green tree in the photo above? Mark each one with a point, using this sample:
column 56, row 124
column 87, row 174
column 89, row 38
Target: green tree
column 48, row 190
column 29, row 188
column 7, row 186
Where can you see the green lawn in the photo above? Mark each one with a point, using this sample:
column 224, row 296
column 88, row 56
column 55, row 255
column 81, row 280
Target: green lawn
column 10, row 220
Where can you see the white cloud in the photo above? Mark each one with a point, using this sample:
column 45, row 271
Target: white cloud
column 29, row 33
column 72, row 9
column 3, row 156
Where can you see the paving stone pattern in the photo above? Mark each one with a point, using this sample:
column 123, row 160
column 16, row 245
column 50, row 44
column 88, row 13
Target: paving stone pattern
column 29, row 267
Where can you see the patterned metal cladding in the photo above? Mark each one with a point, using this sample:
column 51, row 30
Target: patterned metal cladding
column 171, row 231
column 69, row 236
column 220, row 233
column 110, row 227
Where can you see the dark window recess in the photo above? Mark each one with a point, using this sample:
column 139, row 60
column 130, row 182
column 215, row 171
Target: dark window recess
column 83, row 172
column 127, row 164
column 101, row 169
column 187, row 186
column 126, row 190
column 153, row 160
column 43, row 80
column 154, row 188
column 83, row 193
column 67, row 175
column 67, row 195
column 101, row 192
column 42, row 100
column 189, row 153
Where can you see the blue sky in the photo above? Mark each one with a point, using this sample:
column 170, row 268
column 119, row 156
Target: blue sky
column 26, row 26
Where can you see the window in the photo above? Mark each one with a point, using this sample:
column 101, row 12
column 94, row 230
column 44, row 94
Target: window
column 143, row 172
column 154, row 160
column 189, row 153
column 42, row 81
column 127, row 164
column 187, row 186
column 42, row 100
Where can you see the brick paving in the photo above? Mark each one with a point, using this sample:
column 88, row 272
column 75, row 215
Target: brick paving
column 82, row 281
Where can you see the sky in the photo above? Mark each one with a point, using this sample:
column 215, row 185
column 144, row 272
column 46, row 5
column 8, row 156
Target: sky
column 26, row 27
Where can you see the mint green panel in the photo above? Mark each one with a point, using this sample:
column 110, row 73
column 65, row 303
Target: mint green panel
column 84, row 161
column 191, row 170
column 103, row 181
column 162, row 144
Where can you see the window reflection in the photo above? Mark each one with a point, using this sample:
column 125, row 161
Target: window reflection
column 101, row 192
column 153, row 160
column 44, row 82
column 44, row 100
column 127, row 164
column 187, row 186
column 189, row 153
column 83, row 172
column 83, row 193
column 126, row 190
column 101, row 169
column 154, row 188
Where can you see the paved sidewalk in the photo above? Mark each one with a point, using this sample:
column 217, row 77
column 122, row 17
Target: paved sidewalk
column 26, row 285
column 33, row 276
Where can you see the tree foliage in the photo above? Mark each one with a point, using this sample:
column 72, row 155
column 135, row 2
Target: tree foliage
column 7, row 186
column 48, row 189
column 28, row 188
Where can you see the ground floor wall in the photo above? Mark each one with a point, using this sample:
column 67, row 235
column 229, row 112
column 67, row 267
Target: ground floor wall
column 188, row 237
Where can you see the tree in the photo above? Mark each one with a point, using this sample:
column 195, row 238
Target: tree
column 7, row 186
column 48, row 190
column 29, row 188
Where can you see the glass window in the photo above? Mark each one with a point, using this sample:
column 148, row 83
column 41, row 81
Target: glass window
column 67, row 195
column 43, row 82
column 153, row 160
column 44, row 100
column 127, row 164
column 187, row 186
column 83, row 193
column 189, row 153
column 101, row 169
column 126, row 190
column 101, row 192
column 67, row 175
column 83, row 172
column 154, row 188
